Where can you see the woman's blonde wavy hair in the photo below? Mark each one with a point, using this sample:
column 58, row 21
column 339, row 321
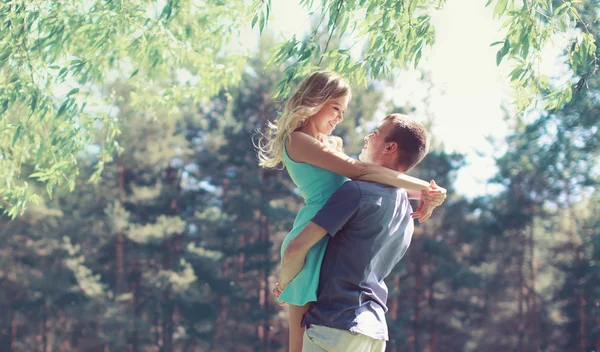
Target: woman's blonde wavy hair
column 311, row 96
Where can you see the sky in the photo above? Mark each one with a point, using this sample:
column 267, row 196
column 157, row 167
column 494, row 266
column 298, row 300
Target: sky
column 470, row 90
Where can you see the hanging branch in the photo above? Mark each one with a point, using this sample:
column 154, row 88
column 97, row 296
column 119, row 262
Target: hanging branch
column 337, row 15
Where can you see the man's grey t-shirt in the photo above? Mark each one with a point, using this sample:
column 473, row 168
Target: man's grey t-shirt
column 370, row 228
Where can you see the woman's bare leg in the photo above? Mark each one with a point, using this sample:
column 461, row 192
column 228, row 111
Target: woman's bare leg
column 295, row 314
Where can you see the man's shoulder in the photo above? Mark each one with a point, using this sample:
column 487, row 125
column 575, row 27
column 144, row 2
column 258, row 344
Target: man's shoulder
column 350, row 187
column 368, row 188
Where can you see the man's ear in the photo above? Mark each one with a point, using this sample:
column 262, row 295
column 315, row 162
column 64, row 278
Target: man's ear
column 390, row 148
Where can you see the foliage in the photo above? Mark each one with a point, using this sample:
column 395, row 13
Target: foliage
column 56, row 57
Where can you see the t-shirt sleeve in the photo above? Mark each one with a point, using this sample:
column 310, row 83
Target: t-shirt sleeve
column 339, row 209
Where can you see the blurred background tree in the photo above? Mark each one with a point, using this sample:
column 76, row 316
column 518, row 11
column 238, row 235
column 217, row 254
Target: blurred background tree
column 176, row 246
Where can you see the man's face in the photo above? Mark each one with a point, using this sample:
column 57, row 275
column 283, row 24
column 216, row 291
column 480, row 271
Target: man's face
column 375, row 145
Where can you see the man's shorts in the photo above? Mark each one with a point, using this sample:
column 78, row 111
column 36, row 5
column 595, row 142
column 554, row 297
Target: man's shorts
column 319, row 338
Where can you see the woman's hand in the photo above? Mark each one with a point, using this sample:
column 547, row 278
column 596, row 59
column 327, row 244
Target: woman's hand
column 277, row 292
column 430, row 199
column 435, row 195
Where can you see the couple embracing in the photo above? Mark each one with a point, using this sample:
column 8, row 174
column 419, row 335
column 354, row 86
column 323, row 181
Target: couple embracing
column 357, row 221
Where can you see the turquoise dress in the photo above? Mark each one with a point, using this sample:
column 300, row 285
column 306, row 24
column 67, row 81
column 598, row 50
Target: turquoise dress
column 316, row 185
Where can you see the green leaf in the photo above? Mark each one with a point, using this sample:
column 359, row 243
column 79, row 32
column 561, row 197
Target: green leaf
column 4, row 107
column 502, row 52
column 49, row 187
column 13, row 78
column 16, row 135
column 568, row 94
column 84, row 27
column 412, row 6
column 268, row 6
column 500, row 8
column 561, row 9
column 377, row 43
column 255, row 5
column 262, row 23
column 34, row 101
column 418, row 57
column 40, row 150
column 62, row 73
column 62, row 108
column 39, row 175
column 167, row 10
column 516, row 73
column 72, row 91
column 4, row 56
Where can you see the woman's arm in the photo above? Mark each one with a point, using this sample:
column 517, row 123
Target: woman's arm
column 413, row 194
column 305, row 149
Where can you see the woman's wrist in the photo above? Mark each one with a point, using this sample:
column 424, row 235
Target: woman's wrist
column 420, row 185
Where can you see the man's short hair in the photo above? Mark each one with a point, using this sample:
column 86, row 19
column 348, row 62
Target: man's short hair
column 411, row 138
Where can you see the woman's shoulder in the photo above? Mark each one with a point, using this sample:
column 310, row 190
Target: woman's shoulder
column 295, row 144
column 330, row 141
column 299, row 139
column 302, row 136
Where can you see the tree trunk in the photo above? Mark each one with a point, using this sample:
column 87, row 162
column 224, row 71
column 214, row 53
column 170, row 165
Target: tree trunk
column 66, row 344
column 394, row 307
column 581, row 305
column 136, row 306
column 119, row 254
column 220, row 323
column 264, row 294
column 168, row 306
column 158, row 336
column 521, row 278
column 597, row 335
column 433, row 332
column 241, row 256
column 45, row 347
column 534, row 313
column 167, row 324
column 222, row 315
column 13, row 330
column 120, row 240
column 418, row 299
column 576, row 245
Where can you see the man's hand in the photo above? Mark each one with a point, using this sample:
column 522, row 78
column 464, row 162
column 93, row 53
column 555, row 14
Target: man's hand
column 430, row 199
column 277, row 292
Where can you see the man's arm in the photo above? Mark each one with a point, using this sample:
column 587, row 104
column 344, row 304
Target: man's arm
column 340, row 207
column 295, row 253
column 412, row 194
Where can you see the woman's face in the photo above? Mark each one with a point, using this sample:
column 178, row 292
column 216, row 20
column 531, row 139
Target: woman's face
column 330, row 115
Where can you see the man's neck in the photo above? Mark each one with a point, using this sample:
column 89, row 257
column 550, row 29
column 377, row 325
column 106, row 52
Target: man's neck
column 389, row 163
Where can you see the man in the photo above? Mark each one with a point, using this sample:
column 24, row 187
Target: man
column 371, row 227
